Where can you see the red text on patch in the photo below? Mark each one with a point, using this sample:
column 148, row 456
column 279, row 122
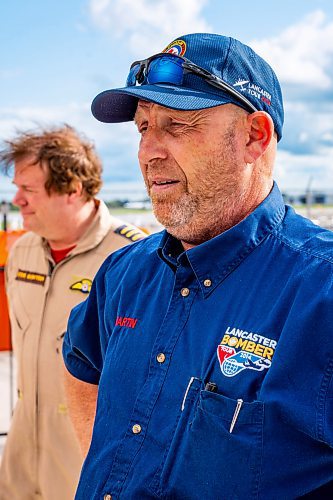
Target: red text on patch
column 127, row 322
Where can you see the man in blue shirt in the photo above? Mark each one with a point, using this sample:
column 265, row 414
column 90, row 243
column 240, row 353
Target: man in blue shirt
column 211, row 342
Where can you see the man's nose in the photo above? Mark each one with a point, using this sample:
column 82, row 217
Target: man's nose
column 19, row 199
column 152, row 146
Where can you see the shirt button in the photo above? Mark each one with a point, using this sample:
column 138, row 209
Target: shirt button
column 207, row 283
column 185, row 292
column 107, row 497
column 160, row 357
column 136, row 429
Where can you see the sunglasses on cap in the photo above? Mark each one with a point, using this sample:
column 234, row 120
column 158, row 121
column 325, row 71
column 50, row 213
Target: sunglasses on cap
column 170, row 69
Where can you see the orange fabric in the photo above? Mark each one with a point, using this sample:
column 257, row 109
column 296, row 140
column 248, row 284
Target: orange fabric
column 5, row 339
column 7, row 239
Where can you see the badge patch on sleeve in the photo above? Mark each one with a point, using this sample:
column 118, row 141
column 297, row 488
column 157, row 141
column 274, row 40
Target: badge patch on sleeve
column 31, row 277
column 83, row 285
column 240, row 350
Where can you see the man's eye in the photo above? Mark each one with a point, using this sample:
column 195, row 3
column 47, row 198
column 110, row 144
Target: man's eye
column 176, row 126
column 142, row 127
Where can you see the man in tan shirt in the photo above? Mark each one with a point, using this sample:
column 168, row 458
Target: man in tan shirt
column 50, row 270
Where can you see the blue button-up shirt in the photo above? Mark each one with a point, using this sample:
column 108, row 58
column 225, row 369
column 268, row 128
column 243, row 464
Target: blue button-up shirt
column 214, row 365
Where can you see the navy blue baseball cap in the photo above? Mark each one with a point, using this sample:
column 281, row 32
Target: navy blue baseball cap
column 196, row 71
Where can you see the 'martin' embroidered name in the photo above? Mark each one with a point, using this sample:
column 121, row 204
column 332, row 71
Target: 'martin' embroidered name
column 127, row 322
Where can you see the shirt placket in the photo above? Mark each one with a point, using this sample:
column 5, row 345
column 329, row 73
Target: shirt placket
column 184, row 291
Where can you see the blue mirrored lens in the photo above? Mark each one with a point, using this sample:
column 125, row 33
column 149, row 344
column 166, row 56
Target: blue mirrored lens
column 165, row 70
column 131, row 79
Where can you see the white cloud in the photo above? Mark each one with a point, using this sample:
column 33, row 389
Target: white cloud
column 148, row 25
column 295, row 171
column 117, row 144
column 308, row 126
column 303, row 137
column 302, row 56
column 303, row 53
column 327, row 136
column 77, row 115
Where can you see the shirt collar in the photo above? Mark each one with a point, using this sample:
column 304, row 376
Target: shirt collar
column 215, row 259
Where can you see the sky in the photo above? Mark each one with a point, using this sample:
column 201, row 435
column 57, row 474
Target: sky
column 57, row 55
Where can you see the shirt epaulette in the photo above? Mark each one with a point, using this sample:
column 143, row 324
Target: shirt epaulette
column 130, row 232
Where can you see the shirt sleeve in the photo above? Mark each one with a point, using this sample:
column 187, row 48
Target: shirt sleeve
column 327, row 401
column 310, row 374
column 325, row 398
column 9, row 266
column 85, row 339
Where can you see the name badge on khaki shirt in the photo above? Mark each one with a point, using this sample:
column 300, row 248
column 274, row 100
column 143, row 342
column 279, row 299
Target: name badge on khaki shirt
column 31, row 277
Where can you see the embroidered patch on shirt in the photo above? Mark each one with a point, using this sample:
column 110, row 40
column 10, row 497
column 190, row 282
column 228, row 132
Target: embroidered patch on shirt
column 127, row 322
column 83, row 285
column 31, row 277
column 240, row 350
column 130, row 232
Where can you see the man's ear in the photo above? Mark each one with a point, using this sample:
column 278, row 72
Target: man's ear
column 260, row 132
column 76, row 192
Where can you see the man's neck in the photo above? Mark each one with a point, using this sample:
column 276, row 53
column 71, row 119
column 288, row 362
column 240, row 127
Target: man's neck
column 226, row 220
column 75, row 227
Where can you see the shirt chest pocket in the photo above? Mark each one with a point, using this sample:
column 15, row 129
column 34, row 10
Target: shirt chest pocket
column 208, row 457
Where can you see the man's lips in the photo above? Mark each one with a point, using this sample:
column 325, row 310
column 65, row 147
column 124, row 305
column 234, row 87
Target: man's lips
column 158, row 185
column 24, row 214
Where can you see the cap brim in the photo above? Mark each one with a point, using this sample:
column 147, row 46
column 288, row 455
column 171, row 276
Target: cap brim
column 119, row 105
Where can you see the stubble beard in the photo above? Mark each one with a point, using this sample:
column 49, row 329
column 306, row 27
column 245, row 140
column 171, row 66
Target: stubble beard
column 197, row 217
column 173, row 214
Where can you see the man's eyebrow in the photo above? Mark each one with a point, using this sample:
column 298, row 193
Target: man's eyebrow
column 188, row 114
column 26, row 185
column 140, row 107
column 137, row 117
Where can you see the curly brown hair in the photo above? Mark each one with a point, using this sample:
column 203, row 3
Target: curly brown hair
column 67, row 156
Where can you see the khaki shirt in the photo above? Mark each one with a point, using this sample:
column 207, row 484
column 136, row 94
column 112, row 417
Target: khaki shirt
column 42, row 457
